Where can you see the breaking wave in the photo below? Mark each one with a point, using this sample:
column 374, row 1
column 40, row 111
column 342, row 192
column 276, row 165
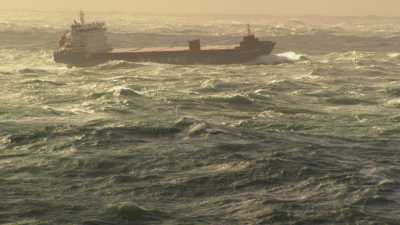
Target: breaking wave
column 286, row 57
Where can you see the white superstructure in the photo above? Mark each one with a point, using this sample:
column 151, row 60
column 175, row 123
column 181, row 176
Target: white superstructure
column 85, row 37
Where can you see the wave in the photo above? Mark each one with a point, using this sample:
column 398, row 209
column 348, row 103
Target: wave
column 33, row 71
column 395, row 103
column 293, row 56
column 131, row 212
column 282, row 58
column 347, row 101
column 230, row 99
column 44, row 82
column 344, row 69
column 393, row 91
column 287, row 85
column 118, row 64
column 117, row 92
column 6, row 73
column 395, row 55
column 215, row 85
column 124, row 91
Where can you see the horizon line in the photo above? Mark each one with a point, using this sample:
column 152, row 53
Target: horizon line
column 199, row 13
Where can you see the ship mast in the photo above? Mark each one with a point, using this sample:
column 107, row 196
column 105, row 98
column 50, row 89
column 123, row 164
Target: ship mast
column 249, row 33
column 82, row 17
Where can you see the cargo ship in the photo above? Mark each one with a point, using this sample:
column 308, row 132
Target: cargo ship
column 86, row 44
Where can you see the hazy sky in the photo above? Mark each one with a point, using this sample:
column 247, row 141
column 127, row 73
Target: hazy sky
column 270, row 7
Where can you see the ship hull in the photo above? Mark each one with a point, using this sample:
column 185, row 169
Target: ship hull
column 184, row 57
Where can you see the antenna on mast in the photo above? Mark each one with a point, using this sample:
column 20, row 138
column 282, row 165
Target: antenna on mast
column 82, row 17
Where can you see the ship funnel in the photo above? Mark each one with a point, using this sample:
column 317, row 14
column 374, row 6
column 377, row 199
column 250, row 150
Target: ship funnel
column 82, row 17
column 195, row 45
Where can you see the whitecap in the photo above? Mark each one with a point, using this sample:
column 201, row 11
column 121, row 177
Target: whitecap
column 282, row 58
column 124, row 91
column 393, row 55
column 292, row 56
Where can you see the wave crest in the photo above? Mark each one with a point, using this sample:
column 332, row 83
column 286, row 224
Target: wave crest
column 281, row 58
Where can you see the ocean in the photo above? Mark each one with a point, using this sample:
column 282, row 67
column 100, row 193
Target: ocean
column 306, row 136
